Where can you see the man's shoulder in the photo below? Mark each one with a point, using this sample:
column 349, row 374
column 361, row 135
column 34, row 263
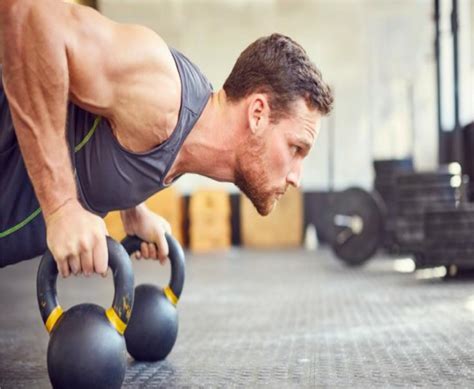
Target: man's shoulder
column 192, row 78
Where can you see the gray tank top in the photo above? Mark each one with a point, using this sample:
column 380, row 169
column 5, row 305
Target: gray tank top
column 108, row 176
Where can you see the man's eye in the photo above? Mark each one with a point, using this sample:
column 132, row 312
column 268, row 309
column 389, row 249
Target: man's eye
column 295, row 149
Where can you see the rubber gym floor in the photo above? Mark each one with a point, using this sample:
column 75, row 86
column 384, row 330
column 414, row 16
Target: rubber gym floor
column 278, row 319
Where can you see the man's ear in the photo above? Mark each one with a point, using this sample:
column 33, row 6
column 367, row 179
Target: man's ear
column 258, row 113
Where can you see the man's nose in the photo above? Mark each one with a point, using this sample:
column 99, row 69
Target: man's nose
column 294, row 176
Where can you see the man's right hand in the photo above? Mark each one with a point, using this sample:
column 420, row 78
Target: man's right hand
column 77, row 240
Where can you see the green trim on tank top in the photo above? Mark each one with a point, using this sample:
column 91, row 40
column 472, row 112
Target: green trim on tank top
column 34, row 214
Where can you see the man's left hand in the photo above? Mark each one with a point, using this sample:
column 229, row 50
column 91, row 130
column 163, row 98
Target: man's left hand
column 151, row 228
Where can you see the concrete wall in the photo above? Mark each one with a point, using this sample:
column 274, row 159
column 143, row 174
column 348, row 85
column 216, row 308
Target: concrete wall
column 377, row 55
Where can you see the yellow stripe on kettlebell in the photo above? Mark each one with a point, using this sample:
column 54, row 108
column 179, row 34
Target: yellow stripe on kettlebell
column 115, row 320
column 170, row 295
column 53, row 318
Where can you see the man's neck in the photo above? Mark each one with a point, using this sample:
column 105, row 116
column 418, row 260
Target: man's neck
column 210, row 148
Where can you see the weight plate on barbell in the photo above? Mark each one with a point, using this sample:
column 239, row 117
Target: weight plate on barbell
column 358, row 218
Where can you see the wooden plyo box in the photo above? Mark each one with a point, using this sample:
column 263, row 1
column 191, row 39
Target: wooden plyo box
column 209, row 218
column 283, row 228
column 167, row 203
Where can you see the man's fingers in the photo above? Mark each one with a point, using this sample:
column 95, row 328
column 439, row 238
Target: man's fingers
column 87, row 264
column 74, row 262
column 163, row 248
column 137, row 255
column 152, row 250
column 63, row 268
column 101, row 256
column 144, row 250
column 80, row 245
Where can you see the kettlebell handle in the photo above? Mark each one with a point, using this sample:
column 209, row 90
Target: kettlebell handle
column 177, row 261
column 120, row 311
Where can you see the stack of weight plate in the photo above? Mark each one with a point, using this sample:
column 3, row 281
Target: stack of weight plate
column 449, row 238
column 417, row 192
column 386, row 172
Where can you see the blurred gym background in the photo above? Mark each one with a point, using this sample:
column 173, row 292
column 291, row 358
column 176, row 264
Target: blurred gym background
column 391, row 64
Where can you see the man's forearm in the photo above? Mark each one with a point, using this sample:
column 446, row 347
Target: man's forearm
column 49, row 168
column 36, row 82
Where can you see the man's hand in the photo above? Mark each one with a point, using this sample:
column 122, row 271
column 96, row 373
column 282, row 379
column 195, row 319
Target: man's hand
column 149, row 227
column 77, row 240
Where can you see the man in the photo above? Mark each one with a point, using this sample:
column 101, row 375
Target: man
column 97, row 116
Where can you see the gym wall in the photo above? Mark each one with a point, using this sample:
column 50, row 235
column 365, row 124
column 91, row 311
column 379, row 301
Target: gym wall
column 377, row 55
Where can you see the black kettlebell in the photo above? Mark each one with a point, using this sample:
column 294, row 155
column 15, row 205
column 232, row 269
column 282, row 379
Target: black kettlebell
column 86, row 347
column 153, row 327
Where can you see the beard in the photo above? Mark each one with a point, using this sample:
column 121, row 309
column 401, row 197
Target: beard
column 251, row 179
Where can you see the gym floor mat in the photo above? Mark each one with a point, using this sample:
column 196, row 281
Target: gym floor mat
column 278, row 319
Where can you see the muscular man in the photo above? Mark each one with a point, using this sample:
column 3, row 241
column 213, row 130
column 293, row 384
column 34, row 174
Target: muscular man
column 98, row 116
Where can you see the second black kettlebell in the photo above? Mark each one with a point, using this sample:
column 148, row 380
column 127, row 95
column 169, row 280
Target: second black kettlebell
column 153, row 327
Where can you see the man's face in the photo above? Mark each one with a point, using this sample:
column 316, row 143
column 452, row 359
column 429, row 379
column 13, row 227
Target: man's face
column 272, row 160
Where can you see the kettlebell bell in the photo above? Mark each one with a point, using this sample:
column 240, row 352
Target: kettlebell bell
column 153, row 327
column 86, row 348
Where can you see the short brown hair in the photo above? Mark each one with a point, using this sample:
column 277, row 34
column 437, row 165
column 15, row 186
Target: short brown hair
column 278, row 66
